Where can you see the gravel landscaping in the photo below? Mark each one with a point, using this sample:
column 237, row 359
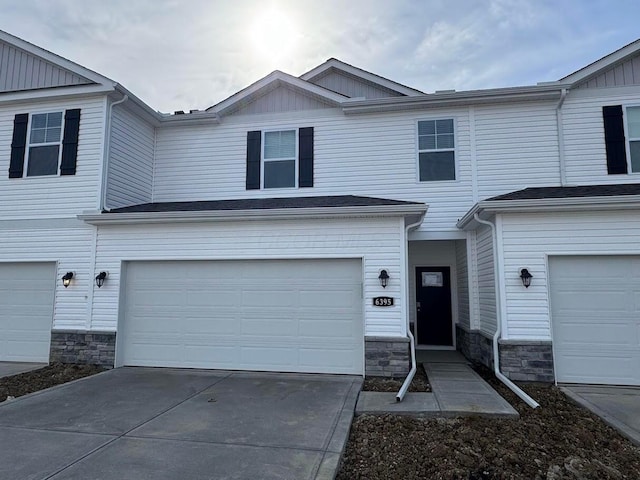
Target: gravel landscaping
column 420, row 383
column 557, row 441
column 49, row 376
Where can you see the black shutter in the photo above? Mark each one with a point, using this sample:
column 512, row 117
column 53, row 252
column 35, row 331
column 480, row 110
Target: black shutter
column 253, row 160
column 18, row 145
column 70, row 142
column 614, row 139
column 305, row 157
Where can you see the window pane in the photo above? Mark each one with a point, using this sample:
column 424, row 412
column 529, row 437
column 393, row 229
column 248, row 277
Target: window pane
column 633, row 122
column 427, row 127
column 43, row 161
column 280, row 144
column 444, row 126
column 280, row 174
column 39, row 120
column 38, row 136
column 427, row 142
column 437, row 166
column 53, row 134
column 445, row 141
column 54, row 119
column 634, row 148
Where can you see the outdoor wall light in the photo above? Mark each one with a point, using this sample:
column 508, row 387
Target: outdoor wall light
column 526, row 277
column 100, row 278
column 66, row 279
column 384, row 278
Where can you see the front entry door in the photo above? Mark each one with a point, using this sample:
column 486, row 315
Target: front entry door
column 433, row 305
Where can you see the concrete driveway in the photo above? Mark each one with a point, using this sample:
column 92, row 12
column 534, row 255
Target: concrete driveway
column 619, row 407
column 146, row 423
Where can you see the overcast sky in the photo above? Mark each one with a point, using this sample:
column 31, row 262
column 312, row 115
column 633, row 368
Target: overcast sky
column 185, row 54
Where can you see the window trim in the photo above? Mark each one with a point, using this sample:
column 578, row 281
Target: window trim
column 28, row 145
column 627, row 139
column 297, row 157
column 454, row 149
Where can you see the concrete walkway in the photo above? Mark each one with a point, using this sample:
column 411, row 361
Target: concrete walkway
column 14, row 368
column 619, row 407
column 456, row 391
column 165, row 424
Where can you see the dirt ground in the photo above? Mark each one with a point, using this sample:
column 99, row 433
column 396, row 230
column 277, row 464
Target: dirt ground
column 420, row 383
column 54, row 374
column 558, row 441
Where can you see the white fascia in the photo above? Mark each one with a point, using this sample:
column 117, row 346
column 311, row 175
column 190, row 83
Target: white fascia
column 95, row 218
column 54, row 93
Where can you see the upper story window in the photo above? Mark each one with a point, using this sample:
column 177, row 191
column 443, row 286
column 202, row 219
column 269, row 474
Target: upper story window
column 279, row 159
column 44, row 144
column 633, row 131
column 436, row 150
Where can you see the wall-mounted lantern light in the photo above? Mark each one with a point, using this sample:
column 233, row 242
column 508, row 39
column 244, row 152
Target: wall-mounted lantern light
column 100, row 278
column 526, row 277
column 384, row 278
column 66, row 279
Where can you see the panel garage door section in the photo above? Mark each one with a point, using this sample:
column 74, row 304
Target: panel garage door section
column 595, row 306
column 26, row 311
column 270, row 315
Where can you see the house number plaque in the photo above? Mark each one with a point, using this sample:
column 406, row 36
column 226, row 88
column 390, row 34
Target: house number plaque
column 383, row 301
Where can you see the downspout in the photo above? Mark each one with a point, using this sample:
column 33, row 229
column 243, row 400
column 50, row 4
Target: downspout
column 560, row 129
column 107, row 154
column 412, row 343
column 496, row 336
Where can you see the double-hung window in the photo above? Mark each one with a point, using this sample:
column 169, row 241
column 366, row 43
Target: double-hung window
column 45, row 135
column 279, row 158
column 436, row 150
column 633, row 133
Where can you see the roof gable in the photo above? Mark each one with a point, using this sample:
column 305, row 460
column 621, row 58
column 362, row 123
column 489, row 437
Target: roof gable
column 337, row 76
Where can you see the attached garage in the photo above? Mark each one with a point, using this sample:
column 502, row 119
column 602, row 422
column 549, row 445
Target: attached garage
column 26, row 311
column 595, row 307
column 270, row 315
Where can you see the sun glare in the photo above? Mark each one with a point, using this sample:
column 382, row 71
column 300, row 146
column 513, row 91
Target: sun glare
column 273, row 34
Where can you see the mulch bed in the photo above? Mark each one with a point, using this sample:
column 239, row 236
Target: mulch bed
column 558, row 441
column 420, row 383
column 49, row 376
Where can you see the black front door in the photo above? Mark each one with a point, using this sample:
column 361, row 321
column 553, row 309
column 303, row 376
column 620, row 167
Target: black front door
column 433, row 305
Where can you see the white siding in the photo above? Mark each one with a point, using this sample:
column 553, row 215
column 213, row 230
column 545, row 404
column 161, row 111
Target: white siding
column 516, row 147
column 131, row 159
column 377, row 241
column 351, row 86
column 20, row 70
column 69, row 244
column 54, row 196
column 373, row 155
column 462, row 283
column 486, row 281
column 625, row 73
column 281, row 99
column 529, row 239
column 585, row 154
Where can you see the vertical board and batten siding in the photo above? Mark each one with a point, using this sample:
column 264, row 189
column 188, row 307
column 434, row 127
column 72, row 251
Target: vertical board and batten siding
column 68, row 245
column 54, row 196
column 377, row 241
column 585, row 154
column 281, row 100
column 486, row 281
column 462, row 283
column 370, row 155
column 352, row 87
column 516, row 147
column 20, row 70
column 625, row 73
column 131, row 159
column 529, row 239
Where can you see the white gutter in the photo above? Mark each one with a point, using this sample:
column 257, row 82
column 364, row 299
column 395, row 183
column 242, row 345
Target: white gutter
column 496, row 353
column 560, row 129
column 412, row 343
column 107, row 154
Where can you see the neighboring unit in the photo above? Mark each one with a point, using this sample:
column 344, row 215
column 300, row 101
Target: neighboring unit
column 316, row 223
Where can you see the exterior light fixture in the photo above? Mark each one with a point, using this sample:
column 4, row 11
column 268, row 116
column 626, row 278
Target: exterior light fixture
column 66, row 279
column 100, row 278
column 526, row 277
column 384, row 278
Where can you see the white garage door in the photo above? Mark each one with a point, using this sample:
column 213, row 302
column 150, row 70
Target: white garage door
column 26, row 311
column 595, row 306
column 274, row 315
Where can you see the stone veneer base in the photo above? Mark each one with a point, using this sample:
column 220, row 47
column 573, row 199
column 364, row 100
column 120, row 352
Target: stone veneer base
column 83, row 347
column 387, row 357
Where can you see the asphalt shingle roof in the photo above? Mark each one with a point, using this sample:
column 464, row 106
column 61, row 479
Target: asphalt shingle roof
column 539, row 193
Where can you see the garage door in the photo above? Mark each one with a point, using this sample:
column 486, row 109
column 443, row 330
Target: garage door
column 595, row 306
column 284, row 315
column 26, row 311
